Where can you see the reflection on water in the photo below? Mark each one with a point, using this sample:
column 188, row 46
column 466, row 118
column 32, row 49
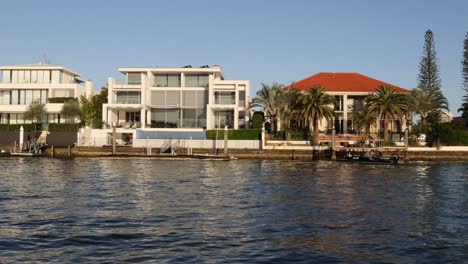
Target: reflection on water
column 98, row 210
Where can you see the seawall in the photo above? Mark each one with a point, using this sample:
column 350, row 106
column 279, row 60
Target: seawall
column 412, row 155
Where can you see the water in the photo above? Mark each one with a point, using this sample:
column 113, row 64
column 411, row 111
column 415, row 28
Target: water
column 111, row 211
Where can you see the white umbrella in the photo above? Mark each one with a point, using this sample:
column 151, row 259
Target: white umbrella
column 21, row 138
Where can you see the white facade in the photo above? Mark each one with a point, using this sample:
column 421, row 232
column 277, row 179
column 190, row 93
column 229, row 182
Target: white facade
column 23, row 84
column 176, row 98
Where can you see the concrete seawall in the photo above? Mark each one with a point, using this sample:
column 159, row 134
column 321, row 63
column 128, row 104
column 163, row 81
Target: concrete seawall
column 412, row 155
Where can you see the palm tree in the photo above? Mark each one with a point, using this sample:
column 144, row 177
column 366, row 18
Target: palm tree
column 287, row 109
column 464, row 109
column 425, row 104
column 386, row 104
column 268, row 99
column 363, row 120
column 316, row 105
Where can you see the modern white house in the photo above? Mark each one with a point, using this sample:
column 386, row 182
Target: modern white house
column 176, row 99
column 21, row 85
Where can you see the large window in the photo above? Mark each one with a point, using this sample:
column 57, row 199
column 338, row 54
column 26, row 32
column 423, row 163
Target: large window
column 224, row 118
column 132, row 116
column 126, row 97
column 196, row 80
column 5, row 97
column 134, row 78
column 23, row 96
column 63, row 93
column 167, row 80
column 186, row 108
column 241, row 99
column 225, row 98
column 169, row 118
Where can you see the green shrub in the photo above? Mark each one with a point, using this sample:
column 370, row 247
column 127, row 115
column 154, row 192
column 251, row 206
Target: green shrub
column 61, row 100
column 294, row 135
column 388, row 143
column 236, row 134
column 64, row 127
column 454, row 138
column 257, row 119
column 16, row 127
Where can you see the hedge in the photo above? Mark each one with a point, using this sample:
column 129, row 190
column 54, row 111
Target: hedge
column 294, row 135
column 64, row 127
column 61, row 100
column 238, row 134
column 16, row 127
column 454, row 138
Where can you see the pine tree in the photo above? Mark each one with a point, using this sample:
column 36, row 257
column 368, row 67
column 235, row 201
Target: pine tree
column 464, row 108
column 465, row 65
column 430, row 84
column 429, row 80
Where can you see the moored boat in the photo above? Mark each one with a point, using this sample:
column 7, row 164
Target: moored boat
column 373, row 157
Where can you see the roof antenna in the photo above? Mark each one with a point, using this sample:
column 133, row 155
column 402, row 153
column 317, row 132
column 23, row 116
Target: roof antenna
column 44, row 60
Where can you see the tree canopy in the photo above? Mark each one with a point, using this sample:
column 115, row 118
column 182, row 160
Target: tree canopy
column 387, row 105
column 464, row 108
column 35, row 112
column 429, row 80
column 316, row 105
column 71, row 110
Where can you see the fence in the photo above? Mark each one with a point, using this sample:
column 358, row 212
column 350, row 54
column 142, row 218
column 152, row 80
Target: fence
column 198, row 144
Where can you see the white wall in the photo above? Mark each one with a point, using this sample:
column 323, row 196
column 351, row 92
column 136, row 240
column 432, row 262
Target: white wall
column 199, row 144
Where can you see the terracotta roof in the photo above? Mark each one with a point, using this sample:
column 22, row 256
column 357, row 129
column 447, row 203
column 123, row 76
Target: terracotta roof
column 343, row 82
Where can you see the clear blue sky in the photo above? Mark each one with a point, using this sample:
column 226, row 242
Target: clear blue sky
column 262, row 41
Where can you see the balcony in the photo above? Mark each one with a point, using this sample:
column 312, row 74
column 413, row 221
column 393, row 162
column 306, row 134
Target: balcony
column 225, row 101
column 126, row 101
column 126, row 97
column 124, row 84
column 225, row 98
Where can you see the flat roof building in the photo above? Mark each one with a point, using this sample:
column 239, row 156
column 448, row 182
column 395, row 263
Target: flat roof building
column 20, row 85
column 184, row 98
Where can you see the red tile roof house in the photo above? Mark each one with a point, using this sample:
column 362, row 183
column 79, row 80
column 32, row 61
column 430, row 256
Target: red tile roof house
column 349, row 89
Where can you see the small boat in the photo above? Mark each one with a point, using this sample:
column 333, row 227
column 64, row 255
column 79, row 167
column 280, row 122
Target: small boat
column 4, row 153
column 372, row 157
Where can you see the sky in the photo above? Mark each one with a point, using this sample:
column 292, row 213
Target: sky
column 257, row 40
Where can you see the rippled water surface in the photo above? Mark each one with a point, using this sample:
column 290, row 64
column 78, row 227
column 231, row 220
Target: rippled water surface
column 111, row 211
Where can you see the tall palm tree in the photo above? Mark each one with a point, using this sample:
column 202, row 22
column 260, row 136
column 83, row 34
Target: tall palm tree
column 386, row 104
column 363, row 120
column 464, row 109
column 287, row 109
column 316, row 105
column 268, row 99
column 425, row 104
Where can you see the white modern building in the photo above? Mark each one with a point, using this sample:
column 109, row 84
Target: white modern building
column 23, row 84
column 176, row 99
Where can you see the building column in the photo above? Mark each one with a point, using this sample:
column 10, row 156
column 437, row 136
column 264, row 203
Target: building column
column 148, row 117
column 182, row 79
column 145, row 83
column 236, row 110
column 345, row 114
column 143, row 117
column 210, row 119
column 89, row 91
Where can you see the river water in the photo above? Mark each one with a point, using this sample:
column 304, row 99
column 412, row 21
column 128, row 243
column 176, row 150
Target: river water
column 146, row 211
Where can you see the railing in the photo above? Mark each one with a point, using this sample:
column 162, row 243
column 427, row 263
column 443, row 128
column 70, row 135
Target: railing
column 225, row 101
column 127, row 101
column 170, row 147
column 125, row 82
